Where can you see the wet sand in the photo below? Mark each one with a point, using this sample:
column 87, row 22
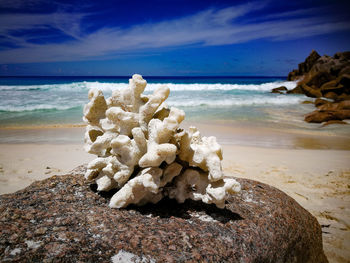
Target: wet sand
column 312, row 168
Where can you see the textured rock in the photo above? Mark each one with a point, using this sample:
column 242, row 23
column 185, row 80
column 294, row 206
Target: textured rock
column 329, row 111
column 310, row 92
column 319, row 102
column 293, row 75
column 327, row 77
column 330, row 95
column 296, row 90
column 62, row 219
column 319, row 116
column 307, row 102
column 334, row 122
column 342, row 97
column 317, row 78
column 329, row 86
column 279, row 90
column 305, row 66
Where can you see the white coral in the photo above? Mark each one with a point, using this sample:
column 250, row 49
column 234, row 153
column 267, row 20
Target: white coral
column 159, row 135
column 202, row 152
column 137, row 140
column 196, row 185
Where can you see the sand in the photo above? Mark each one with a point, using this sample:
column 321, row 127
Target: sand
column 319, row 180
column 313, row 169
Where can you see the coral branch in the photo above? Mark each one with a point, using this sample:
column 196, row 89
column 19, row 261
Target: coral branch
column 137, row 140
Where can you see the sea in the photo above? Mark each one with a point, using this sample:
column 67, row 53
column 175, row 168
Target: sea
column 35, row 101
column 242, row 103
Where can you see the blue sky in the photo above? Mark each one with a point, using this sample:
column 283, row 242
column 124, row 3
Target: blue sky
column 165, row 37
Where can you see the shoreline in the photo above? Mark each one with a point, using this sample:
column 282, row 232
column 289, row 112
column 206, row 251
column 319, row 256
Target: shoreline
column 227, row 133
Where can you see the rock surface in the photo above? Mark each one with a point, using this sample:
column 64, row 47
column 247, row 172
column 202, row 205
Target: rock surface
column 305, row 66
column 279, row 90
column 327, row 77
column 64, row 219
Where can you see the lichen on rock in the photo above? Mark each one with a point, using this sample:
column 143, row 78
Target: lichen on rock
column 142, row 152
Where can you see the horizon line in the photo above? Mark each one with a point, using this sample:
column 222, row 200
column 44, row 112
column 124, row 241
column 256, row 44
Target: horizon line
column 146, row 76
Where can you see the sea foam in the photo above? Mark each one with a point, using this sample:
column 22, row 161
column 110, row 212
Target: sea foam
column 27, row 101
column 108, row 87
column 262, row 100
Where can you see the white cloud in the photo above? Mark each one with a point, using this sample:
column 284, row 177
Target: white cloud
column 209, row 27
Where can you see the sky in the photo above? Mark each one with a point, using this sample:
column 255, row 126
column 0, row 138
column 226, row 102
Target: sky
column 167, row 37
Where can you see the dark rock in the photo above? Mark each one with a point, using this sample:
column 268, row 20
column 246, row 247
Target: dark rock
column 331, row 95
column 326, row 64
column 305, row 66
column 342, row 55
column 344, row 105
column 320, row 102
column 329, row 107
column 316, row 70
column 280, row 90
column 310, row 92
column 293, row 75
column 329, row 86
column 296, row 90
column 327, row 77
column 345, row 70
column 345, row 80
column 333, row 122
column 317, row 79
column 339, row 86
column 61, row 219
column 342, row 97
column 319, row 116
column 328, row 112
column 307, row 102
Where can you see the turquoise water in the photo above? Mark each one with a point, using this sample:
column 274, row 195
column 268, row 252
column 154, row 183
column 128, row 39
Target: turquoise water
column 26, row 101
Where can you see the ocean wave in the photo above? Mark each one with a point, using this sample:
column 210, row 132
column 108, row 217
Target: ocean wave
column 109, row 87
column 199, row 86
column 76, row 86
column 177, row 102
column 39, row 107
column 279, row 100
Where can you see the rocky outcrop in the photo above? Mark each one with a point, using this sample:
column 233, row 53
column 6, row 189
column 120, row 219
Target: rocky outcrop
column 62, row 219
column 328, row 111
column 305, row 66
column 279, row 90
column 324, row 77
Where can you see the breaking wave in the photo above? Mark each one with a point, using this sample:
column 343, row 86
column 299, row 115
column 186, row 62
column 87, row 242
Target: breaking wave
column 70, row 96
column 263, row 100
column 108, row 87
column 39, row 107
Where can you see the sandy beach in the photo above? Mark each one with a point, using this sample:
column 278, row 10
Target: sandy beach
column 314, row 170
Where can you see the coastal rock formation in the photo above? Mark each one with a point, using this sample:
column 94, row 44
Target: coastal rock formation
column 330, row 111
column 61, row 219
column 145, row 156
column 324, row 77
column 305, row 66
column 279, row 90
